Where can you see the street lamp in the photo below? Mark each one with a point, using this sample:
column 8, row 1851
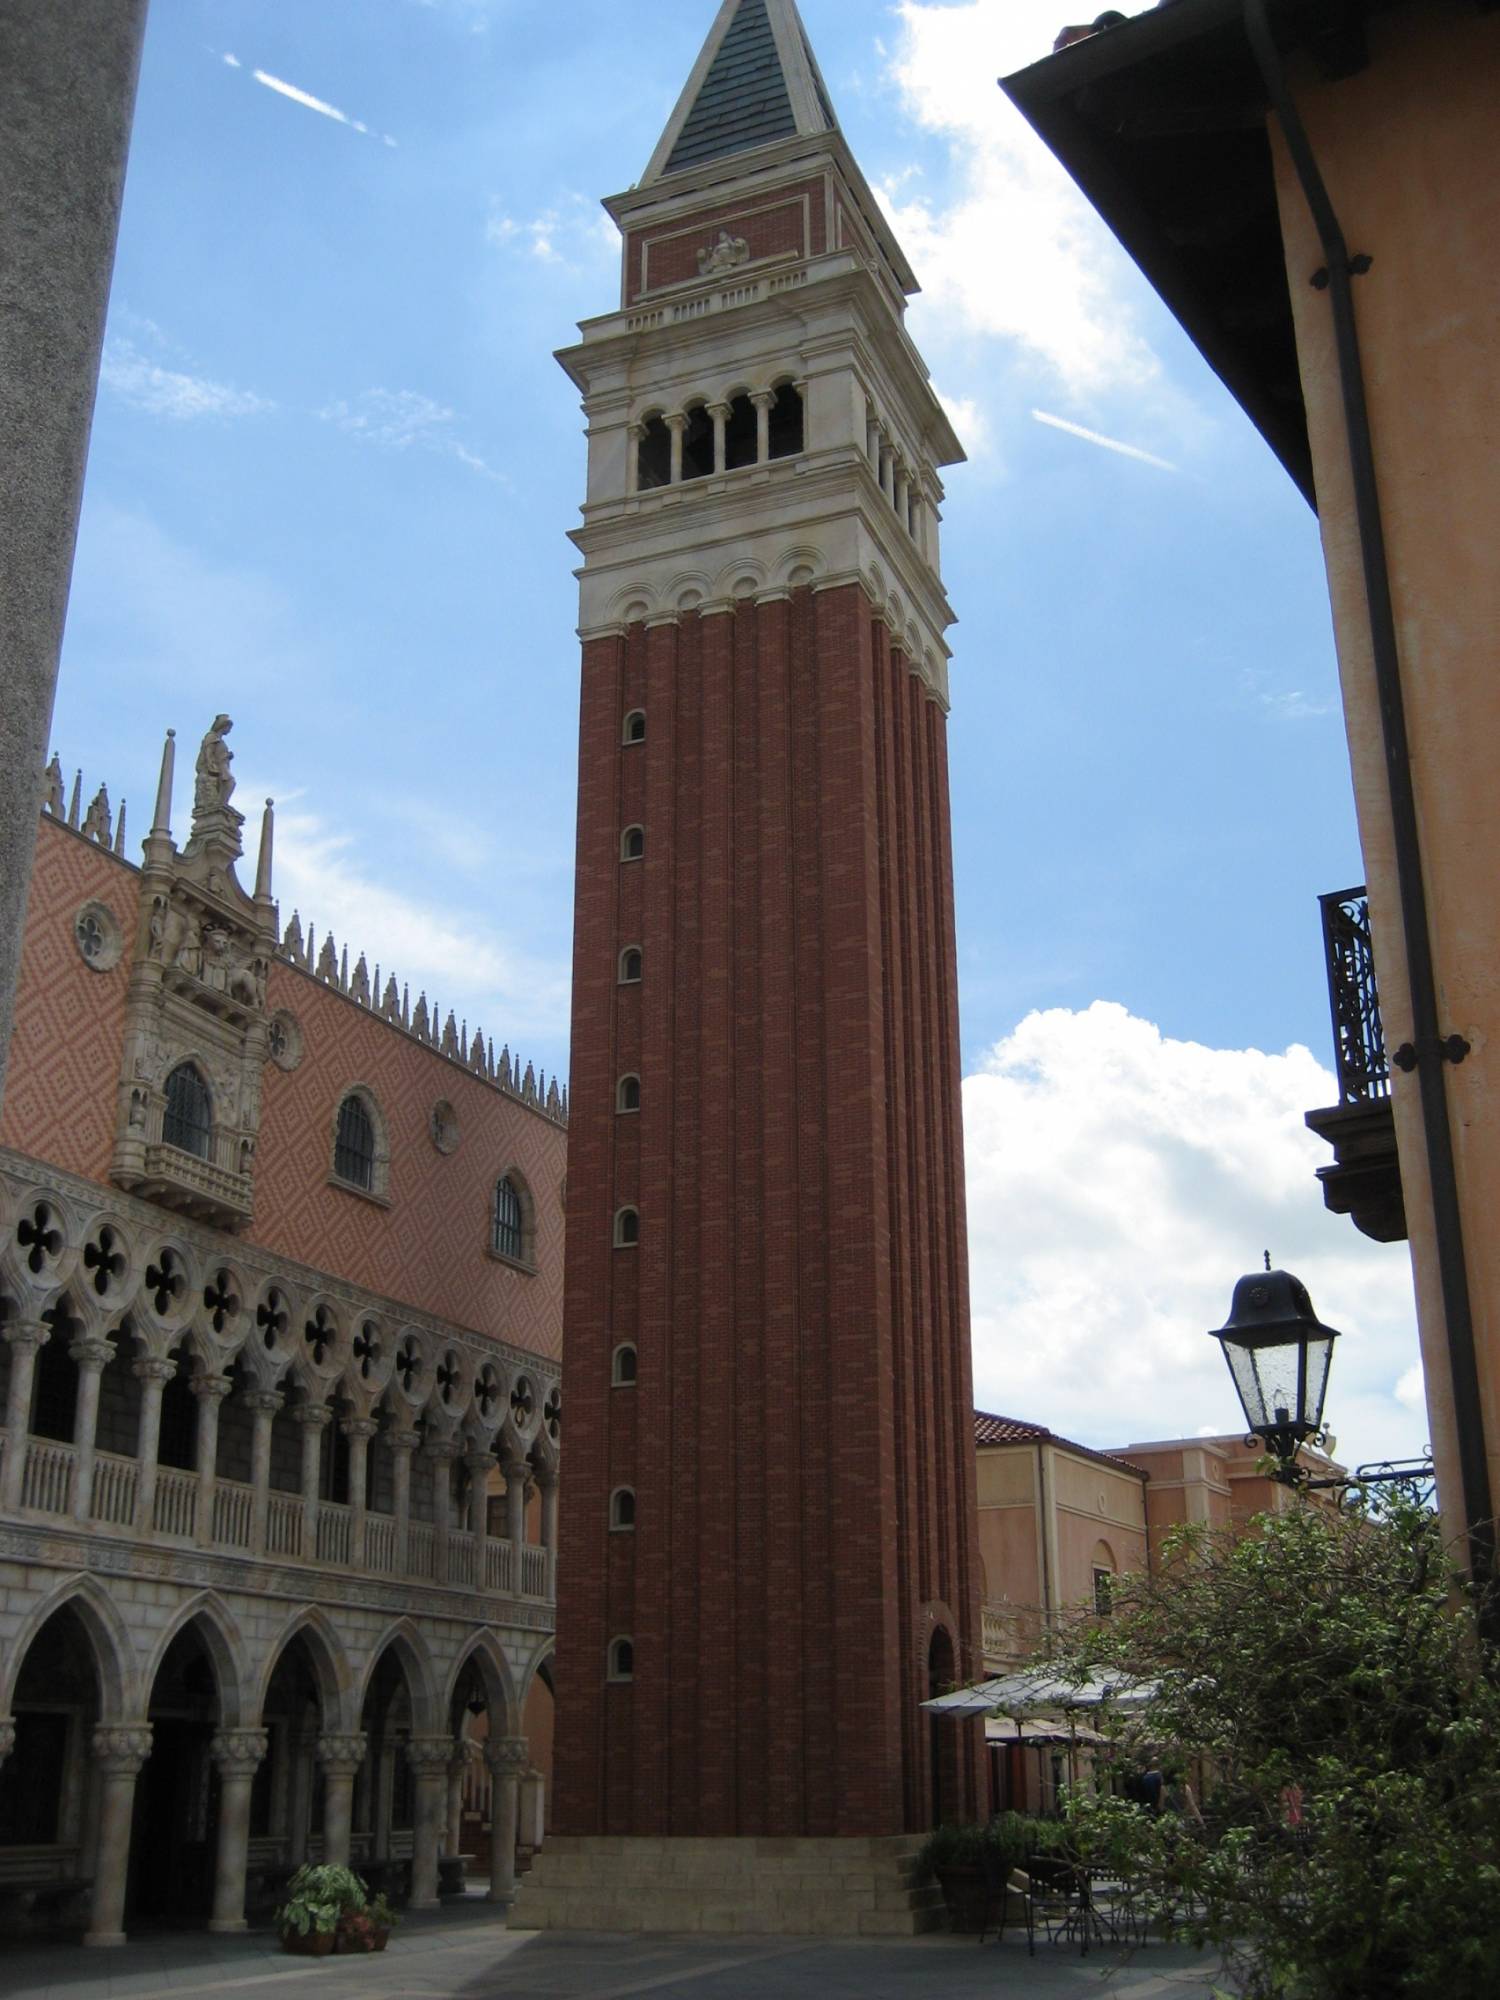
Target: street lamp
column 1279, row 1353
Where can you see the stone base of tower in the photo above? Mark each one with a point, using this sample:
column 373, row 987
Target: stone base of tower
column 783, row 1888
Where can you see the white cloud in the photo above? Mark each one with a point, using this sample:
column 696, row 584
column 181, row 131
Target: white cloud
column 171, row 392
column 318, row 104
column 1107, row 443
column 574, row 232
column 400, row 419
column 1284, row 704
column 1018, row 254
column 1119, row 1183
column 437, row 948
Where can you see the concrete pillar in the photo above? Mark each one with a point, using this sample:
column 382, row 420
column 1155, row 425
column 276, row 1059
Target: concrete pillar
column 210, row 1391
column 23, row 1340
column 341, row 1757
column 118, row 1757
column 153, row 1374
column 429, row 1757
column 764, row 401
column 314, row 1419
column 509, row 1760
column 720, row 413
column 676, row 424
column 237, row 1752
column 402, row 1444
column 359, row 1431
column 67, row 92
column 262, row 1405
column 90, row 1357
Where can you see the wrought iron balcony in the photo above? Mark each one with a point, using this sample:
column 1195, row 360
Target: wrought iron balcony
column 1364, row 1181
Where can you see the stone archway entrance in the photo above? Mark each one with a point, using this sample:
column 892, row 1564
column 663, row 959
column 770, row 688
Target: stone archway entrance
column 47, row 1808
column 175, row 1827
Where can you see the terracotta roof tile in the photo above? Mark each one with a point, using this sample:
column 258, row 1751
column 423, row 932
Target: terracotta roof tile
column 990, row 1429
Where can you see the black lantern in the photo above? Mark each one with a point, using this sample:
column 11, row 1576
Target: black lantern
column 1278, row 1352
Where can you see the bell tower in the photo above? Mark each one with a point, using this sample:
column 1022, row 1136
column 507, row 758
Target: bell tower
column 767, row 1544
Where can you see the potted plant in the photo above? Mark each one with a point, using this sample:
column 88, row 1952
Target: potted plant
column 317, row 1898
column 368, row 1929
column 972, row 1863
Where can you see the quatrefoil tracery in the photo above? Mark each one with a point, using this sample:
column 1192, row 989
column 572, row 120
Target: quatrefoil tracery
column 220, row 1301
column 321, row 1334
column 271, row 1317
column 166, row 1281
column 39, row 1236
column 104, row 1259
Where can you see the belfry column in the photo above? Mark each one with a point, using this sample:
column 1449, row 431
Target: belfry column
column 262, row 1405
column 118, row 1757
column 314, row 1419
column 23, row 1340
column 402, row 1444
column 237, row 1754
column 153, row 1374
column 359, row 1431
column 91, row 1357
column 210, row 1391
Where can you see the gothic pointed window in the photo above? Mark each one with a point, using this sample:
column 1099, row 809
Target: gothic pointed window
column 510, row 1228
column 786, row 421
column 354, row 1150
column 187, row 1122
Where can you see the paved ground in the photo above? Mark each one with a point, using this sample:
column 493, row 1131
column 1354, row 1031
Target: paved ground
column 464, row 1953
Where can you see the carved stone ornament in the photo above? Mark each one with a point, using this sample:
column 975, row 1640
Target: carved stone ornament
column 98, row 937
column 726, row 255
column 284, row 1040
column 120, row 1753
column 429, row 1756
column 214, row 785
column 508, row 1756
column 442, row 1124
column 341, row 1756
column 238, row 1752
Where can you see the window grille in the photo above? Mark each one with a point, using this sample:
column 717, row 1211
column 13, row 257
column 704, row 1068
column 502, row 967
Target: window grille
column 188, row 1121
column 354, row 1151
column 510, row 1238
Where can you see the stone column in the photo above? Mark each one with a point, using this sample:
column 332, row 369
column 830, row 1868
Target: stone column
column 118, row 1757
column 302, row 1743
column 238, row 1753
column 532, row 1830
column 23, row 1340
column 429, row 1757
column 720, row 413
column 477, row 1464
column 888, row 469
column 91, row 1357
column 515, row 1469
column 314, row 1419
column 509, row 1761
column 442, row 1452
column 546, row 1479
column 458, row 1765
column 341, row 1757
column 677, row 425
column 402, row 1444
column 903, row 488
column 872, row 439
column 153, row 1375
column 359, row 1431
column 210, row 1391
column 635, row 435
column 67, row 92
column 764, row 401
column 262, row 1405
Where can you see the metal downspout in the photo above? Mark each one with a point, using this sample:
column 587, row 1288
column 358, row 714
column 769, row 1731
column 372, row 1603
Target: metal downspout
column 1429, row 1051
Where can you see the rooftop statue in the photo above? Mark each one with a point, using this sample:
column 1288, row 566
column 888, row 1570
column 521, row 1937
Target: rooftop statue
column 215, row 784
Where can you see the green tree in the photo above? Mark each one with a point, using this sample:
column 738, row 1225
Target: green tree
column 1327, row 1668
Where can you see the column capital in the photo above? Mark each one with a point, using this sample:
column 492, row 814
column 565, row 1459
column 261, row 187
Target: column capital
column 360, row 1427
column 635, row 432
column 720, row 411
column 429, row 1756
column 210, row 1388
column 25, row 1336
column 120, row 1752
column 91, row 1354
column 478, row 1461
column 341, row 1756
column 508, row 1756
column 516, row 1465
column 237, row 1752
column 676, row 420
column 403, row 1440
column 545, row 1475
column 153, row 1368
column 263, row 1402
column 444, row 1449
column 763, row 399
column 312, row 1416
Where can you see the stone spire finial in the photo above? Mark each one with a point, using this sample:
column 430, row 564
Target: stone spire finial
column 263, row 865
column 120, row 829
column 76, row 802
column 162, row 822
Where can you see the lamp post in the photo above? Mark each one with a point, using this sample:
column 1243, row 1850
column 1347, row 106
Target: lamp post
column 1279, row 1353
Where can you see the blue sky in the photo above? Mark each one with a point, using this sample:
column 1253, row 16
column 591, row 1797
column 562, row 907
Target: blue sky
column 332, row 470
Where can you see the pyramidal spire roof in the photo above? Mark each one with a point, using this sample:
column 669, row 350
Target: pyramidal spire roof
column 755, row 82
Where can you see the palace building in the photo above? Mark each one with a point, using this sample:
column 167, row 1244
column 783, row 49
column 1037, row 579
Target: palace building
column 768, row 1553
column 281, row 1301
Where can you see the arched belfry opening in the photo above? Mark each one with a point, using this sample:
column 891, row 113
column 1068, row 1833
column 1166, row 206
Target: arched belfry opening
column 787, row 426
column 654, row 455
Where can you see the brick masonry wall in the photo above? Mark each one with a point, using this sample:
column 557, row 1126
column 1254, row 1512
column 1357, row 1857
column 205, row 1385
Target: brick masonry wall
column 793, row 221
column 429, row 1248
column 798, row 1439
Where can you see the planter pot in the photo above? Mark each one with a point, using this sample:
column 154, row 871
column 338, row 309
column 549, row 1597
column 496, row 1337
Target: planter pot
column 308, row 1944
column 965, row 1894
column 374, row 1939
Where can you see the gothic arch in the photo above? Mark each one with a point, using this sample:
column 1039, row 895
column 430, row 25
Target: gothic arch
column 421, row 1680
column 226, row 1648
column 544, row 1657
column 485, row 1653
column 114, row 1656
column 330, row 1665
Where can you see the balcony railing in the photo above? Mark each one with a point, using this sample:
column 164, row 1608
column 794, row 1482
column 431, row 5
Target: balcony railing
column 1364, row 1072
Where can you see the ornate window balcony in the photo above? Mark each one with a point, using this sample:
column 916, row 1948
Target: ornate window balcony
column 1364, row 1181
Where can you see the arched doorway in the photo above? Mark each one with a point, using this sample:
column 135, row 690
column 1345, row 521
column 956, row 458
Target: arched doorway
column 469, row 1723
column 287, row 1799
column 942, row 1734
column 47, row 1802
column 385, row 1795
column 174, row 1832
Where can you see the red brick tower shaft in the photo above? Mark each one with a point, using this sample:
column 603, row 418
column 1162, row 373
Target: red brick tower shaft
column 767, row 1549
